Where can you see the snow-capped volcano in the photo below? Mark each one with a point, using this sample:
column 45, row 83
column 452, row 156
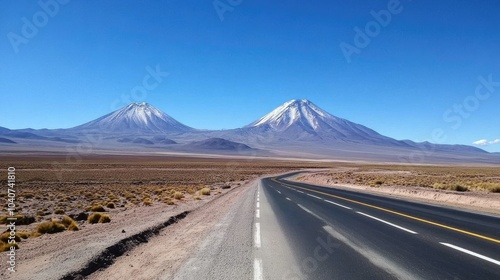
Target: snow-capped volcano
column 295, row 112
column 139, row 117
column 302, row 116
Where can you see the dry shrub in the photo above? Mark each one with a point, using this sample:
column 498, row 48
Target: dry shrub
column 24, row 234
column 104, row 219
column 98, row 218
column 5, row 237
column 70, row 223
column 147, row 202
column 20, row 219
column 97, row 208
column 94, row 218
column 6, row 247
column 50, row 227
column 178, row 195
column 205, row 191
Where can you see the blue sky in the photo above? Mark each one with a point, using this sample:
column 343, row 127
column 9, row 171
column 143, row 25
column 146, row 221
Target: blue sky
column 419, row 71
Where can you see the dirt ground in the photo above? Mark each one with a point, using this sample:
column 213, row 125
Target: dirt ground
column 137, row 193
column 166, row 252
column 142, row 193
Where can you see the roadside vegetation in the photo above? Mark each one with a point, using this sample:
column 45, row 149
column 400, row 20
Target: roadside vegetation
column 68, row 196
column 460, row 179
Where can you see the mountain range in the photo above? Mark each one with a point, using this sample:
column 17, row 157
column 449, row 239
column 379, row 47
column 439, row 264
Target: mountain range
column 298, row 128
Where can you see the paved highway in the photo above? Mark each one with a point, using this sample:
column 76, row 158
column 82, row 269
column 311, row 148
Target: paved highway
column 338, row 234
column 286, row 230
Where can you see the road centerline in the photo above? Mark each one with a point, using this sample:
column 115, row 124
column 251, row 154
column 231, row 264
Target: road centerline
column 398, row 213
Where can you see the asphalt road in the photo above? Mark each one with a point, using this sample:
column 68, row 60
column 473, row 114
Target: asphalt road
column 338, row 234
column 285, row 230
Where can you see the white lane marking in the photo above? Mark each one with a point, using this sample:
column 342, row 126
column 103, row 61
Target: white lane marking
column 299, row 191
column 471, row 253
column 257, row 270
column 278, row 191
column 288, row 199
column 310, row 212
column 258, row 204
column 305, row 209
column 257, row 235
column 374, row 257
column 315, row 196
column 258, row 199
column 338, row 204
column 257, row 213
column 386, row 222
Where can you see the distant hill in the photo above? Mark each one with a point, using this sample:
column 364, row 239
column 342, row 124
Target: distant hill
column 7, row 141
column 217, row 144
column 297, row 128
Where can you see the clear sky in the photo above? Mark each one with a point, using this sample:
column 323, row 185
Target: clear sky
column 64, row 63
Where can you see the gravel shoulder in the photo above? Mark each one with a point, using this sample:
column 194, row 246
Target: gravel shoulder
column 191, row 248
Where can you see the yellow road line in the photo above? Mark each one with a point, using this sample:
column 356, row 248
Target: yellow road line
column 396, row 213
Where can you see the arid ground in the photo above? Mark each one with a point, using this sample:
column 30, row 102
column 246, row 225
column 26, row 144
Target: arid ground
column 70, row 210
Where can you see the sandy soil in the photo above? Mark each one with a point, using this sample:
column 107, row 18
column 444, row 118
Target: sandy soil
column 473, row 200
column 53, row 256
column 164, row 254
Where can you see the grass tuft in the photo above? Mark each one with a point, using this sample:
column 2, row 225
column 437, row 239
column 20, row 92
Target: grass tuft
column 178, row 195
column 97, row 208
column 70, row 223
column 98, row 218
column 6, row 247
column 104, row 219
column 94, row 218
column 205, row 191
column 20, row 219
column 147, row 202
column 50, row 227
